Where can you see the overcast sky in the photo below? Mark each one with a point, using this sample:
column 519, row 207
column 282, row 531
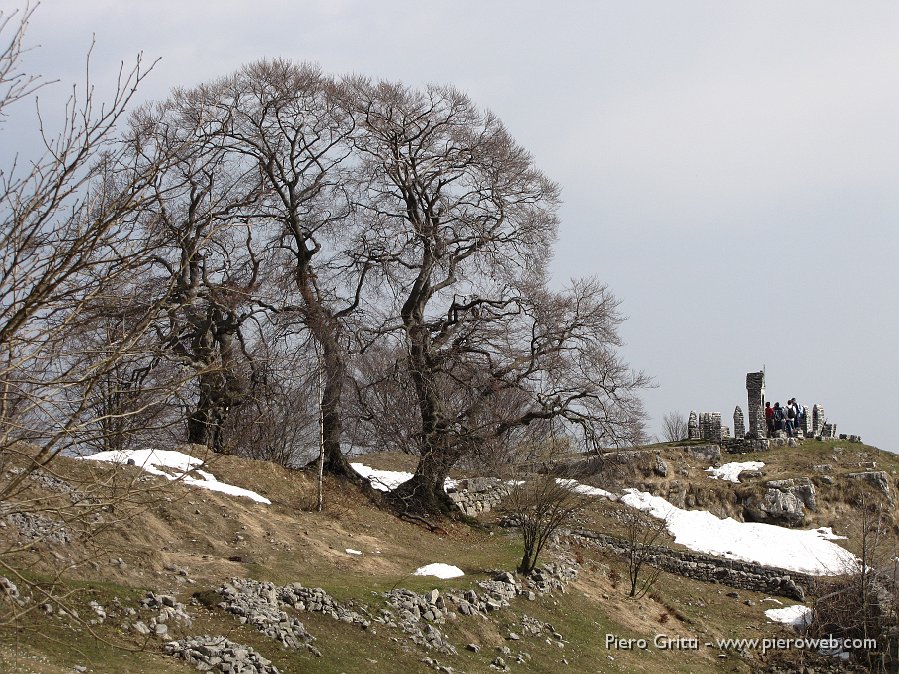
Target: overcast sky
column 729, row 169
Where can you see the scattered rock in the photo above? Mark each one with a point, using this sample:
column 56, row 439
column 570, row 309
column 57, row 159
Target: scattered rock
column 257, row 604
column 219, row 654
column 39, row 528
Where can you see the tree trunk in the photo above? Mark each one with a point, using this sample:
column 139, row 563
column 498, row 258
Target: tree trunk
column 332, row 425
column 425, row 493
column 200, row 420
column 325, row 330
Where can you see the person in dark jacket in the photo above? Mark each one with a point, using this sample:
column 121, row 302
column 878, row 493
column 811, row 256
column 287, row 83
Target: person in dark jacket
column 778, row 417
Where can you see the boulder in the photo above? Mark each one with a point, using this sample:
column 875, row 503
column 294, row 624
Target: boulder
column 800, row 487
column 783, row 503
column 660, row 468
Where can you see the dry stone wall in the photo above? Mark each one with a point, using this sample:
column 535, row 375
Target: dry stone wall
column 742, row 575
column 477, row 495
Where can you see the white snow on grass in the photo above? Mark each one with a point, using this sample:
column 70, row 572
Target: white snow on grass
column 585, row 489
column 731, row 471
column 350, row 551
column 153, row 460
column 382, row 480
column 806, row 550
column 798, row 615
column 440, row 570
column 388, row 480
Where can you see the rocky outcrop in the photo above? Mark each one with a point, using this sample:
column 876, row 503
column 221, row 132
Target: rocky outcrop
column 616, row 466
column 661, row 467
column 420, row 616
column 800, row 487
column 783, row 502
column 743, row 575
column 9, row 590
column 39, row 528
column 877, row 479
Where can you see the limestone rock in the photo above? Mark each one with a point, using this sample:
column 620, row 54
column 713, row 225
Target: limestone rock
column 877, row 479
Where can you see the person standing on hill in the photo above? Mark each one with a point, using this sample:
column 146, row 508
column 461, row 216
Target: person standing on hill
column 778, row 417
column 789, row 418
column 800, row 414
column 769, row 418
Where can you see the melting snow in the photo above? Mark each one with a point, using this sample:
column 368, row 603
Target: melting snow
column 731, row 471
column 808, row 551
column 151, row 460
column 350, row 551
column 388, row 480
column 798, row 615
column 585, row 489
column 440, row 570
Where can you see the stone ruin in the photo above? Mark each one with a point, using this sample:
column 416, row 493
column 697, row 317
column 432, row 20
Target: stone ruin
column 707, row 425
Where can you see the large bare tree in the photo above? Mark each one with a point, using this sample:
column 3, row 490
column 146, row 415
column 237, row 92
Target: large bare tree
column 463, row 224
column 206, row 259
column 289, row 125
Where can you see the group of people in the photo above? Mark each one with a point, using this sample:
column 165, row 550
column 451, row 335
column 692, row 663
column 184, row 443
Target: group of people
column 788, row 418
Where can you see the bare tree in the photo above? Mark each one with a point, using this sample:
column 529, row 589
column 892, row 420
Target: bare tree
column 67, row 242
column 206, row 260
column 864, row 603
column 288, row 127
column 674, row 426
column 540, row 506
column 642, row 533
column 70, row 254
column 463, row 223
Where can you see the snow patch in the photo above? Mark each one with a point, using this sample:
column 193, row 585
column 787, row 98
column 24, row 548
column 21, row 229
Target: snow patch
column 350, row 551
column 798, row 615
column 808, row 551
column 388, row 480
column 731, row 471
column 152, row 460
column 585, row 489
column 440, row 570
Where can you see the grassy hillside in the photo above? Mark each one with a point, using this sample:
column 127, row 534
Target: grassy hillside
column 170, row 538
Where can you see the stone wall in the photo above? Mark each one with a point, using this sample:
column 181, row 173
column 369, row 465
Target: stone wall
column 477, row 494
column 742, row 575
column 745, row 445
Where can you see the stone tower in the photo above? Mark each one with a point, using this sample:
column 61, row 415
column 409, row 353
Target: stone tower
column 693, row 426
column 817, row 419
column 755, row 390
column 739, row 428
